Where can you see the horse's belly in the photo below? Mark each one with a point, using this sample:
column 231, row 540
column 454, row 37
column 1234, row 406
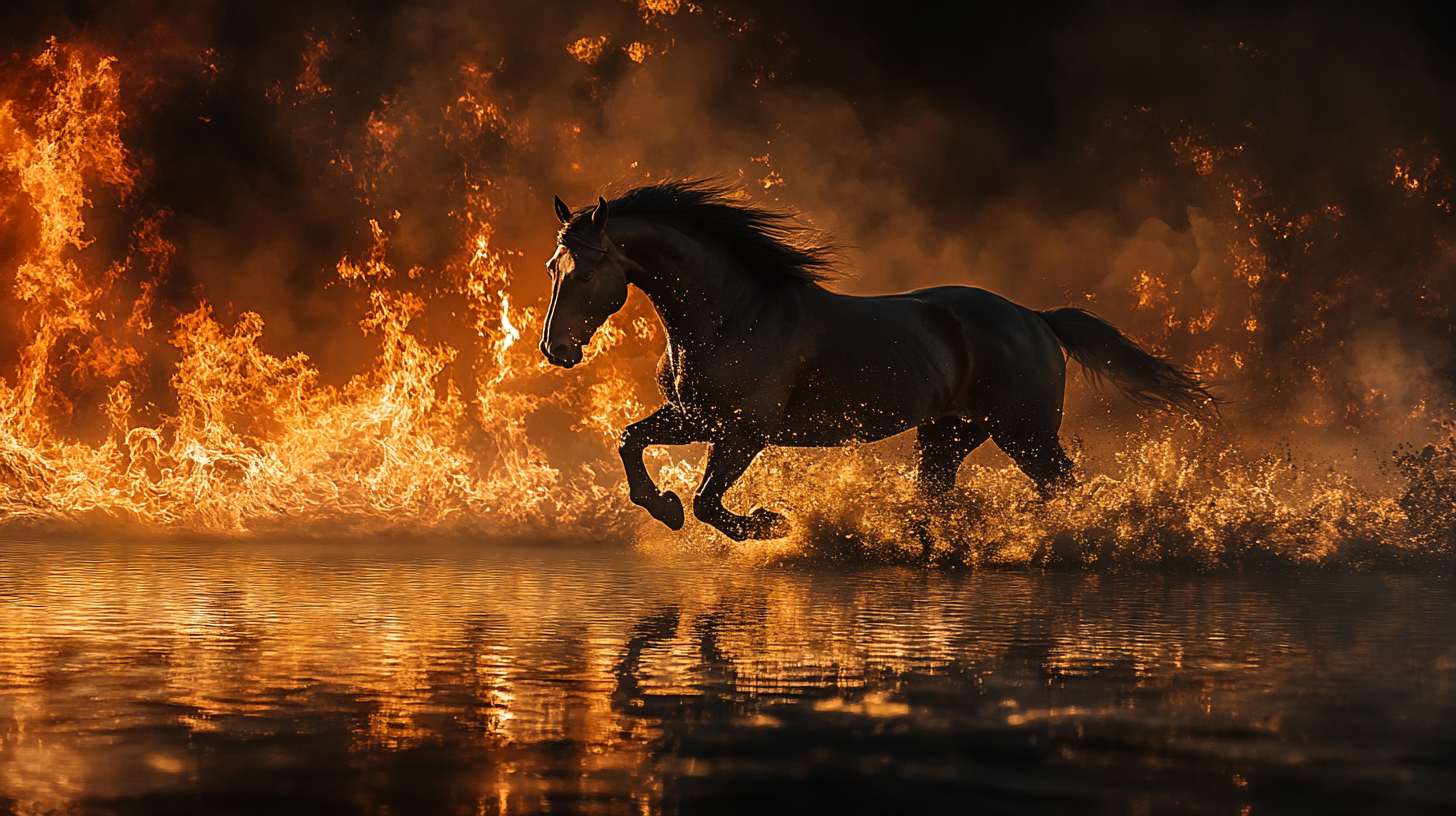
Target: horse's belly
column 825, row 417
column 828, row 434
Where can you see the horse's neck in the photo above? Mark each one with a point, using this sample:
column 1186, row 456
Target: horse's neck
column 692, row 288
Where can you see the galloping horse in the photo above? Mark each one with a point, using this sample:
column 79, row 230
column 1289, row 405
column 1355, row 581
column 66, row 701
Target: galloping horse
column 759, row 353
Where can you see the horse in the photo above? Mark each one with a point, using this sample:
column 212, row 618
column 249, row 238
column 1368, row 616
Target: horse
column 759, row 352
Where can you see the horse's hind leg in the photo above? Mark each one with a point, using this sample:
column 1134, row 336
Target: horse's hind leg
column 1036, row 448
column 943, row 444
column 726, row 462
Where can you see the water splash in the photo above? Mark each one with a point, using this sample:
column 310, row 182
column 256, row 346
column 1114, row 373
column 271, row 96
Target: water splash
column 1184, row 497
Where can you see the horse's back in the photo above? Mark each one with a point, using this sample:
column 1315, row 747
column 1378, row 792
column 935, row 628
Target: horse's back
column 980, row 308
column 991, row 322
column 871, row 367
column 982, row 334
column 1017, row 358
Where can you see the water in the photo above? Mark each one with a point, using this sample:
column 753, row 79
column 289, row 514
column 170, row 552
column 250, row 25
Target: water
column 409, row 678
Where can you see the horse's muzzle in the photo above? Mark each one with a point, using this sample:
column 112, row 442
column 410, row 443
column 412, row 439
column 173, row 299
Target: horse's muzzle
column 566, row 355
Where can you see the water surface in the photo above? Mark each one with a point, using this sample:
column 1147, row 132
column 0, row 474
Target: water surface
column 410, row 678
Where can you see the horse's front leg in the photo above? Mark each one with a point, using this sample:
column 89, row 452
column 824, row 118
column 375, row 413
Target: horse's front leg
column 665, row 426
column 726, row 462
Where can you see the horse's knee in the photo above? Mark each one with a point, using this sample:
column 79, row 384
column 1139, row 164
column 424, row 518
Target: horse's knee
column 1045, row 462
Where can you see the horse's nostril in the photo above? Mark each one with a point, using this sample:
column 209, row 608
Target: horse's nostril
column 561, row 351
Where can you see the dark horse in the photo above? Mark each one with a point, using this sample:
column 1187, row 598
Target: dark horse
column 759, row 353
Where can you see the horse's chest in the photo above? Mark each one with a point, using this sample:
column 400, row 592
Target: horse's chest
column 695, row 386
column 711, row 388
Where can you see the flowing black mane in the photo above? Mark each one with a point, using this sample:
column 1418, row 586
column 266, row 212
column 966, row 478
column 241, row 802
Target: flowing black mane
column 771, row 243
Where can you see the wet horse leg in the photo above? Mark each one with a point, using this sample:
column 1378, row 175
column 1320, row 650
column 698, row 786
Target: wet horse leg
column 1036, row 448
column 943, row 444
column 665, row 426
column 726, row 462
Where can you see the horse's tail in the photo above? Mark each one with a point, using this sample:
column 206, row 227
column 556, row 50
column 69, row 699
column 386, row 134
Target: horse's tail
column 1107, row 354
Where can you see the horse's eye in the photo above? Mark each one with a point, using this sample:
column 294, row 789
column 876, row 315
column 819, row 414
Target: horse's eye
column 585, row 274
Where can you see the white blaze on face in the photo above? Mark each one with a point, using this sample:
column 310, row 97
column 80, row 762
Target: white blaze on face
column 560, row 265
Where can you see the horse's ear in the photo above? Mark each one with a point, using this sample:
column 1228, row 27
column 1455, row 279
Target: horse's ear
column 599, row 215
column 562, row 211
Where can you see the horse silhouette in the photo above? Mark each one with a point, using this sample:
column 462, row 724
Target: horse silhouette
column 759, row 353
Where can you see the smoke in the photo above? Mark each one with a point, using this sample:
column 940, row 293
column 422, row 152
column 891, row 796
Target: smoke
column 1256, row 192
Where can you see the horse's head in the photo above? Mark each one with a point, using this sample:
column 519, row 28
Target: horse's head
column 588, row 284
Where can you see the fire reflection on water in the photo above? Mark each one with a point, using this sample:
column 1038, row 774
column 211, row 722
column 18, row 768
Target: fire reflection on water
column 506, row 682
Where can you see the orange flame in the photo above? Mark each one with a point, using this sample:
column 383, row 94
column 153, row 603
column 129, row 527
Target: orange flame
column 257, row 441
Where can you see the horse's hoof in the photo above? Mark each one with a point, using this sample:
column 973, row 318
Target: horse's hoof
column 763, row 523
column 668, row 509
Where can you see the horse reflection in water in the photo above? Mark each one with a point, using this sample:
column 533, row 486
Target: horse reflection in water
column 759, row 353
